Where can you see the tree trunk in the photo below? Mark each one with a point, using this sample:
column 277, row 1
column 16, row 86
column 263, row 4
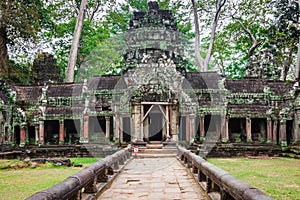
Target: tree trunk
column 203, row 63
column 3, row 53
column 197, row 39
column 297, row 71
column 287, row 64
column 75, row 43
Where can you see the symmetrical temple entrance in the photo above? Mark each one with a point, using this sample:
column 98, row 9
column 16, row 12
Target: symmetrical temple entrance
column 152, row 99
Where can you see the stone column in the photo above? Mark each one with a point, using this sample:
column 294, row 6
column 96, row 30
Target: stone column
column 274, row 135
column 248, row 129
column 146, row 127
column 61, row 131
column 121, row 128
column 201, row 126
column 22, row 136
column 86, row 128
column 135, row 131
column 282, row 133
column 187, row 128
column 295, row 129
column 192, row 126
column 269, row 129
column 42, row 131
column 117, row 127
column 141, row 123
column 224, row 128
column 167, row 120
column 36, row 131
column 107, row 127
column 1, row 131
column 174, row 123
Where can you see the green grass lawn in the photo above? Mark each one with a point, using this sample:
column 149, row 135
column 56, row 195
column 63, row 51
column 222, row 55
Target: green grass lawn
column 21, row 183
column 277, row 177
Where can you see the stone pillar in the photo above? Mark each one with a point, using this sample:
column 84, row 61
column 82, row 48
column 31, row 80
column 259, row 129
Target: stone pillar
column 146, row 128
column 187, row 128
column 85, row 129
column 274, row 135
column 201, row 126
column 192, row 127
column 121, row 129
column 107, row 127
column 248, row 129
column 295, row 130
column 269, row 130
column 117, row 127
column 36, row 131
column 224, row 128
column 141, row 123
column 1, row 137
column 136, row 125
column 174, row 123
column 282, row 133
column 22, row 136
column 167, row 121
column 61, row 131
column 42, row 131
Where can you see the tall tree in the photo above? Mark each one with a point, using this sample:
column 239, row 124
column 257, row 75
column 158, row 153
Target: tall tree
column 75, row 43
column 284, row 34
column 19, row 21
column 204, row 62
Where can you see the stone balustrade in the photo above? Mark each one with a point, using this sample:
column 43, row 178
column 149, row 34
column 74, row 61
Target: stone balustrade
column 89, row 182
column 217, row 183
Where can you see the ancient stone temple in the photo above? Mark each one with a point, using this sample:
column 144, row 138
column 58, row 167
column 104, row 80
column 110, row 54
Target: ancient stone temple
column 154, row 99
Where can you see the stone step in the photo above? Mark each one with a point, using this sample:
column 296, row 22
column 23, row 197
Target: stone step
column 154, row 146
column 158, row 151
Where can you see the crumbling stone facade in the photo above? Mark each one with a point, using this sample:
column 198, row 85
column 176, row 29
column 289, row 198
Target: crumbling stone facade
column 154, row 99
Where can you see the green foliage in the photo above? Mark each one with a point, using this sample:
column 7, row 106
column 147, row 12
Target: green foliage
column 19, row 73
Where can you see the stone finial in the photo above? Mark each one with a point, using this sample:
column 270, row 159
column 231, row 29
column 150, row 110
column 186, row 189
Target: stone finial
column 153, row 5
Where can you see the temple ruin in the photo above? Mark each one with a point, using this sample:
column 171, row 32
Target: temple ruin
column 154, row 99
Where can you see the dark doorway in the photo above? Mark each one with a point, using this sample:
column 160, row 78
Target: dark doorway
column 182, row 131
column 126, row 129
column 289, row 131
column 51, row 131
column 155, row 127
column 72, row 128
column 16, row 137
column 96, row 128
column 31, row 134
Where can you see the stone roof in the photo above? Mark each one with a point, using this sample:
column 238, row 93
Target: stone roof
column 28, row 93
column 103, row 82
column 64, row 90
column 247, row 85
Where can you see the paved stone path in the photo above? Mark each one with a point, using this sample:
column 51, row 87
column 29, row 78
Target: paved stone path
column 153, row 178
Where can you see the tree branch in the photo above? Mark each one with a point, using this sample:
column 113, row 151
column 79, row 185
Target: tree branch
column 255, row 44
column 219, row 5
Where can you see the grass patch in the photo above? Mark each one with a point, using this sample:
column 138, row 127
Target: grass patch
column 21, row 183
column 277, row 177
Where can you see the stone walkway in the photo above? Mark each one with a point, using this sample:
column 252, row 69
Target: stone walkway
column 153, row 178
